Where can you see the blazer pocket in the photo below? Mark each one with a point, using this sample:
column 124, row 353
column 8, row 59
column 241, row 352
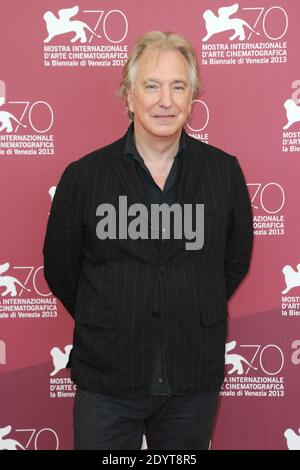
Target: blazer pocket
column 215, row 312
column 93, row 315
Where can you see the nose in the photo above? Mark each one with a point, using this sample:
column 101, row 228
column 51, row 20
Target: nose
column 165, row 97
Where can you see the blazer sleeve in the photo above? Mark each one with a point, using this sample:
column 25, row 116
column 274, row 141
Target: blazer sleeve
column 240, row 233
column 63, row 245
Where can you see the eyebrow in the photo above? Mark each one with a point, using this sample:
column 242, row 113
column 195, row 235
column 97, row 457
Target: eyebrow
column 149, row 79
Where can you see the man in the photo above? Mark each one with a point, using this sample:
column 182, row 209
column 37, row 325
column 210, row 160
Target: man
column 150, row 311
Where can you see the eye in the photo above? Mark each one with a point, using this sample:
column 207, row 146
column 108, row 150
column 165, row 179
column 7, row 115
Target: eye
column 151, row 86
column 179, row 87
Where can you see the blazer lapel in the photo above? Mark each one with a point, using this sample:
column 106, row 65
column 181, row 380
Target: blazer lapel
column 190, row 189
column 129, row 179
column 191, row 176
column 133, row 188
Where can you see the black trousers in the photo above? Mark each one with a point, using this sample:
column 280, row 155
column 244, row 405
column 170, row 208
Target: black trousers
column 182, row 422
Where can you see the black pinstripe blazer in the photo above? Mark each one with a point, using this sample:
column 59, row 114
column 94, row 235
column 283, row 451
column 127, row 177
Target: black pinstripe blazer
column 110, row 286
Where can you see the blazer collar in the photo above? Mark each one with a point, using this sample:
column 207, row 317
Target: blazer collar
column 193, row 172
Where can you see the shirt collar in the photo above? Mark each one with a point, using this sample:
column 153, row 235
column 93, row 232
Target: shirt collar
column 130, row 147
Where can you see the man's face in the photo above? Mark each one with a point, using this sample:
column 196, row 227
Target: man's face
column 161, row 98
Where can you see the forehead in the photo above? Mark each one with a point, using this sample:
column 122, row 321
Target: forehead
column 155, row 62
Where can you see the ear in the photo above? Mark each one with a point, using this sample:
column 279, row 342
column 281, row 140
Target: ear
column 190, row 109
column 191, row 104
column 130, row 100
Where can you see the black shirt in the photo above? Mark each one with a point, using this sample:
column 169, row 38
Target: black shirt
column 154, row 195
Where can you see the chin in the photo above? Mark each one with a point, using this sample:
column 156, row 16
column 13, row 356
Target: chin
column 168, row 132
column 165, row 130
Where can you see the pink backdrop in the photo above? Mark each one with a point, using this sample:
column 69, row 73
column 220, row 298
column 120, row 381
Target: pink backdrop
column 64, row 92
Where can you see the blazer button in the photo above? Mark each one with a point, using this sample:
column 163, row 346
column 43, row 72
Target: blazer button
column 156, row 313
column 163, row 269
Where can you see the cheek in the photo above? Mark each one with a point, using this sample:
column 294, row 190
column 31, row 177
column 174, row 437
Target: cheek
column 183, row 104
column 130, row 102
column 148, row 104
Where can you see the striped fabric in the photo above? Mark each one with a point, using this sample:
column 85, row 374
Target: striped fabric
column 108, row 285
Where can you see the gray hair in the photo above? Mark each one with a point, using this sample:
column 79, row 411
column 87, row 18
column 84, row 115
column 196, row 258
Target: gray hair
column 160, row 41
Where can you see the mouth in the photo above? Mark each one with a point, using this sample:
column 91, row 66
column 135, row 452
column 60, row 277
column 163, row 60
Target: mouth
column 164, row 116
